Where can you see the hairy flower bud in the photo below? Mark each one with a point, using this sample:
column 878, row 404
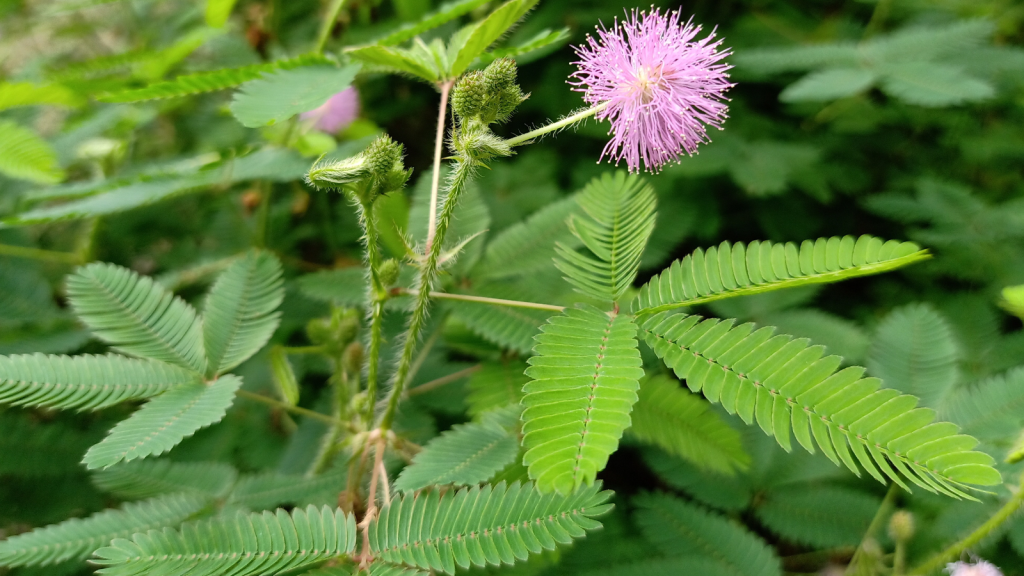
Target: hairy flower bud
column 501, row 74
column 336, row 332
column 901, row 526
column 490, row 95
column 469, row 97
column 377, row 170
column 388, row 272
column 352, row 358
column 382, row 154
column 333, row 174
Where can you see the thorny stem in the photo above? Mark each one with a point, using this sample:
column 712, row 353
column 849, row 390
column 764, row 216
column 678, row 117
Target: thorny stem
column 884, row 509
column 435, row 182
column 438, row 382
column 486, row 300
column 954, row 551
column 461, row 173
column 294, row 409
column 40, row 254
column 327, row 25
column 557, row 125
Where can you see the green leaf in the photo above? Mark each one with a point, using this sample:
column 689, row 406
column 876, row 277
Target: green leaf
column 1013, row 300
column 284, row 376
column 226, row 545
column 838, row 335
column 42, row 451
column 14, row 94
column 148, row 478
column 466, row 454
column 481, row 525
column 164, row 422
column 829, row 84
column 585, row 377
column 85, row 382
column 991, row 409
column 396, row 59
column 740, row 269
column 530, row 243
column 821, row 517
column 681, row 529
column 541, row 44
column 509, row 327
column 496, row 385
column 788, row 385
column 240, row 313
column 218, row 11
column 343, row 287
column 485, row 33
column 730, row 493
column 76, row 539
column 201, row 82
column 136, row 315
column 933, row 85
column 681, row 423
column 621, row 210
column 282, row 94
column 914, row 351
column 444, row 13
column 798, row 58
column 26, row 156
column 271, row 489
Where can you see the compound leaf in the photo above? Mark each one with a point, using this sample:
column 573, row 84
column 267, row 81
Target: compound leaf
column 467, row 454
column 914, row 351
column 26, row 156
column 809, row 516
column 149, row 478
column 485, row 33
column 281, row 94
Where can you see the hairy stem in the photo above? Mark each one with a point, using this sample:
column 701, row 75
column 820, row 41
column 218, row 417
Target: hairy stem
column 40, row 254
column 953, row 552
column 493, row 301
column 557, row 125
column 438, row 382
column 376, row 295
column 327, row 25
column 293, row 409
column 435, row 182
column 461, row 173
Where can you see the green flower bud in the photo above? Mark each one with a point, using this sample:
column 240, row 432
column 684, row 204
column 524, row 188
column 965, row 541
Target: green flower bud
column 319, row 331
column 500, row 74
column 388, row 272
column 352, row 358
column 476, row 141
column 347, row 322
column 901, row 526
column 382, row 154
column 334, row 174
column 490, row 95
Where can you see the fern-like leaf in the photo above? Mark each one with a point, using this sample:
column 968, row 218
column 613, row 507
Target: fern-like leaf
column 681, row 423
column 14, row 94
column 809, row 515
column 164, row 422
column 481, row 526
column 991, row 409
column 77, row 538
column 26, row 156
column 495, row 386
column 737, row 269
column 374, row 569
column 239, row 317
column 29, row 448
column 466, row 454
column 85, row 382
column 509, row 327
column 621, row 218
column 149, row 478
column 189, row 84
column 444, row 13
column 585, row 377
column 680, row 529
column 530, row 244
column 245, row 544
column 914, row 351
column 136, row 315
column 271, row 489
column 787, row 385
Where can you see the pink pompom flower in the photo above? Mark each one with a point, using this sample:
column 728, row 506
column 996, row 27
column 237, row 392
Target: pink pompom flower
column 337, row 113
column 979, row 568
column 661, row 86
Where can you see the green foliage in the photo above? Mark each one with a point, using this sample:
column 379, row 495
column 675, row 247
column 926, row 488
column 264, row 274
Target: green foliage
column 681, row 423
column 471, row 42
column 218, row 11
column 270, row 489
column 682, row 529
column 585, row 377
column 621, row 218
column 343, row 287
column 85, row 382
column 466, row 454
column 809, row 515
column 164, row 422
column 33, row 449
column 740, row 269
column 505, row 326
column 787, row 385
column 27, row 156
column 219, row 545
column 240, row 314
column 530, row 242
column 496, row 385
column 482, row 526
column 15, row 94
column 136, row 315
column 148, row 478
column 75, row 539
column 913, row 351
column 991, row 408
column 444, row 13
column 281, row 94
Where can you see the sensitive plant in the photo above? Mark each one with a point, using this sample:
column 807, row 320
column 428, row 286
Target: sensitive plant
column 573, row 356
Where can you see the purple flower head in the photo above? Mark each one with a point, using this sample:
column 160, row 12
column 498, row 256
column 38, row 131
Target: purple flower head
column 661, row 85
column 337, row 113
column 979, row 568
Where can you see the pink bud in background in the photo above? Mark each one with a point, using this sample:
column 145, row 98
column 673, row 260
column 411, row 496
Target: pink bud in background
column 337, row 113
column 979, row 568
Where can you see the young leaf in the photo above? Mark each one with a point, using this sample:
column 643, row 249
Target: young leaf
column 737, row 269
column 283, row 374
column 26, row 156
column 679, row 528
column 245, row 544
column 164, row 422
column 239, row 317
column 466, row 454
column 621, row 210
column 482, row 526
column 544, row 42
column 445, row 13
column 149, row 478
column 136, row 315
column 785, row 385
column 808, row 515
column 585, row 377
column 396, row 59
column 914, row 352
column 85, row 382
column 485, row 33
column 681, row 423
column 76, row 539
column 282, row 94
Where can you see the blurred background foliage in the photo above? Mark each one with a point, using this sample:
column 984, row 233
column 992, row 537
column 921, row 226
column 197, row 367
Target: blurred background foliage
column 902, row 119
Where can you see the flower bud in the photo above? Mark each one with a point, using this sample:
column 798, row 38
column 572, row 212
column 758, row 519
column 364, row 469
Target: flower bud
column 382, row 154
column 500, row 74
column 377, row 170
column 490, row 95
column 332, row 175
column 388, row 272
column 335, row 332
column 901, row 526
column 352, row 359
column 470, row 95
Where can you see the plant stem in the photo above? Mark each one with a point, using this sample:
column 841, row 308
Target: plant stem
column 327, row 25
column 294, row 409
column 263, row 216
column 376, row 295
column 954, row 551
column 854, row 568
column 435, row 182
column 438, row 382
column 40, row 254
column 557, row 125
column 493, row 301
column 461, row 173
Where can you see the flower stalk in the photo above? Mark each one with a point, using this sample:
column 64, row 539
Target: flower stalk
column 557, row 125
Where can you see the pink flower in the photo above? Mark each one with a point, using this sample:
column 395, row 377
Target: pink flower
column 337, row 113
column 979, row 568
column 662, row 87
